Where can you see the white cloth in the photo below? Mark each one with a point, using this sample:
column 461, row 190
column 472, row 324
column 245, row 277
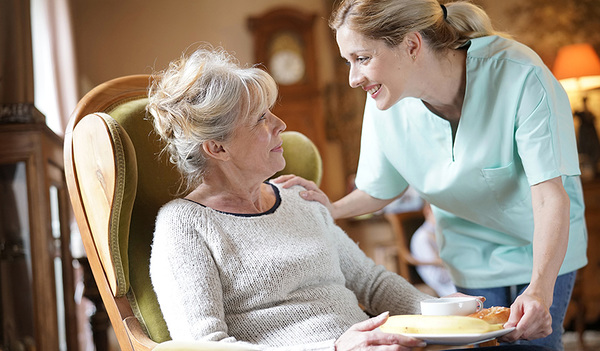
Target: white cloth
column 288, row 277
column 423, row 247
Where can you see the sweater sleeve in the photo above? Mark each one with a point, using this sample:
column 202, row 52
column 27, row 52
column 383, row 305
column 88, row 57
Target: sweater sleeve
column 376, row 288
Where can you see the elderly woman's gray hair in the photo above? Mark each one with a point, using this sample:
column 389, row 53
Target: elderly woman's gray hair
column 202, row 97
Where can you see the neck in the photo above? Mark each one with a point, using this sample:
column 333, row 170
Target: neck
column 444, row 91
column 231, row 194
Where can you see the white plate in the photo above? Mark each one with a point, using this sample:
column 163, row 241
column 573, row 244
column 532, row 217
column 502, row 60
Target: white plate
column 460, row 339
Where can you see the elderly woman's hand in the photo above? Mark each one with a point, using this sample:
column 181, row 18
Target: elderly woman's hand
column 363, row 336
column 312, row 192
column 531, row 317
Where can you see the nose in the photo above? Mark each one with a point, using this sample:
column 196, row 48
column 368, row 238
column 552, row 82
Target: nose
column 278, row 124
column 355, row 77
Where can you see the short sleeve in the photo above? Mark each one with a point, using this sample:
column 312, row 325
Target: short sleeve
column 376, row 175
column 544, row 129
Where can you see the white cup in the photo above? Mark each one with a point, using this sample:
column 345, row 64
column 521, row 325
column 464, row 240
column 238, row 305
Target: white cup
column 451, row 306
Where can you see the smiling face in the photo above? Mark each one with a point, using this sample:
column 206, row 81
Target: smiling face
column 374, row 66
column 255, row 146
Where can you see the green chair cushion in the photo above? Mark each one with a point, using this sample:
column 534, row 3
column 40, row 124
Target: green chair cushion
column 302, row 157
column 157, row 184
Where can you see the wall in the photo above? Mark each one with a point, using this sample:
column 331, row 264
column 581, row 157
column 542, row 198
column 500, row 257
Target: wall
column 115, row 38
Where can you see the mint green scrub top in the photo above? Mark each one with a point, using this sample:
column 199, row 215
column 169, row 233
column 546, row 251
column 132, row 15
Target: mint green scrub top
column 516, row 130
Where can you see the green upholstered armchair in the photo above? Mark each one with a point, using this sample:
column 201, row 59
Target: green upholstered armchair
column 302, row 157
column 117, row 182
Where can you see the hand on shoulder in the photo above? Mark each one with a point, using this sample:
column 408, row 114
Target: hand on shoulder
column 312, row 192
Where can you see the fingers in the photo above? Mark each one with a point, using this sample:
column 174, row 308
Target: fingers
column 531, row 319
column 386, row 339
column 515, row 316
column 371, row 323
column 312, row 192
column 290, row 180
column 365, row 336
column 313, row 195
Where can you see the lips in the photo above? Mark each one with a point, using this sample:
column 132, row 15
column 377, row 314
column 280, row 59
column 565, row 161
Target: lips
column 373, row 89
column 278, row 148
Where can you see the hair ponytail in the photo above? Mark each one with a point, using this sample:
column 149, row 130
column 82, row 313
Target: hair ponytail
column 391, row 20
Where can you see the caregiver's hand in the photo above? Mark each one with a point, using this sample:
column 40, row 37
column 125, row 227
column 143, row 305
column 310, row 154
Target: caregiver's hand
column 312, row 192
column 363, row 336
column 531, row 317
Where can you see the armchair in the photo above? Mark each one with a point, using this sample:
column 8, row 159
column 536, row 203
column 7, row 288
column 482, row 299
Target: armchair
column 117, row 180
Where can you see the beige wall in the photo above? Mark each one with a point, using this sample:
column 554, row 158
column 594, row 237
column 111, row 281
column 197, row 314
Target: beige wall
column 120, row 37
column 115, row 38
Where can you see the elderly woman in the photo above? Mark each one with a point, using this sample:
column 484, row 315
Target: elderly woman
column 238, row 259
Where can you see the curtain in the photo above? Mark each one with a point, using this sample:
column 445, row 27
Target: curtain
column 54, row 64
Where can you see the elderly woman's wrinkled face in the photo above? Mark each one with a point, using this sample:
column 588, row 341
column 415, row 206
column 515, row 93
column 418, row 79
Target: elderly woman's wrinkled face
column 374, row 66
column 255, row 146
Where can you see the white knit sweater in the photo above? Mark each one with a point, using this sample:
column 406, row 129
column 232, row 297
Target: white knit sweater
column 288, row 278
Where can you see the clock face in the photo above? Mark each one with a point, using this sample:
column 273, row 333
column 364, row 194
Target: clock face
column 287, row 67
column 286, row 62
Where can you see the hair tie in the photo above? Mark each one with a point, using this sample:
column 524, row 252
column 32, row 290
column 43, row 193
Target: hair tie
column 445, row 11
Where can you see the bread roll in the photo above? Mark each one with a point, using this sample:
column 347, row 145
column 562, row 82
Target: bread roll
column 493, row 315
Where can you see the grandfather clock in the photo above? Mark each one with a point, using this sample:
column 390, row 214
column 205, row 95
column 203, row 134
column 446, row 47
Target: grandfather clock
column 284, row 44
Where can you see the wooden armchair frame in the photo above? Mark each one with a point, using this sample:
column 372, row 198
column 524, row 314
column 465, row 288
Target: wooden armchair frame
column 104, row 185
column 127, row 328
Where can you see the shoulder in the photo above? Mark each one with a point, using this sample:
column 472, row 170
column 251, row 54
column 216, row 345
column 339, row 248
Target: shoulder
column 512, row 68
column 290, row 197
column 294, row 205
column 178, row 208
column 178, row 217
column 503, row 49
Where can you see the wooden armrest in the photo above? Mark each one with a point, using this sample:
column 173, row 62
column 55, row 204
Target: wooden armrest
column 137, row 337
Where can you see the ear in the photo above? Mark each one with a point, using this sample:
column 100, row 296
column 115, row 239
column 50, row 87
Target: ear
column 215, row 150
column 414, row 43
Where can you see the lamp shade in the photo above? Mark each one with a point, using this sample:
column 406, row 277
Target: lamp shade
column 577, row 67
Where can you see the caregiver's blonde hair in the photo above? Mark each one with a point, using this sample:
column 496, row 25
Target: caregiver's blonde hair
column 391, row 20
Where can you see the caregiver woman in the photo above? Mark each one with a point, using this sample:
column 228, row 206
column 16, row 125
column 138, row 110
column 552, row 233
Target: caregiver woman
column 477, row 124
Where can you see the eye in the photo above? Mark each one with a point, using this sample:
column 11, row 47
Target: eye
column 362, row 59
column 262, row 117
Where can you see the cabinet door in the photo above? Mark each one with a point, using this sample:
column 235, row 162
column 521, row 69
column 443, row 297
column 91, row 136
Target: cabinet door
column 16, row 302
column 589, row 274
column 37, row 302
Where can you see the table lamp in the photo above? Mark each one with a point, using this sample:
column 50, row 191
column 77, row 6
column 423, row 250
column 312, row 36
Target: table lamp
column 577, row 67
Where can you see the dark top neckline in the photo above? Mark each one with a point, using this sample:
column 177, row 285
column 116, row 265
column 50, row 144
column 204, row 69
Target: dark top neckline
column 269, row 211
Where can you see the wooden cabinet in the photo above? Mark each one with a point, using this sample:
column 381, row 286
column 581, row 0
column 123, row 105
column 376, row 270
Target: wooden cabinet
column 584, row 309
column 590, row 275
column 37, row 304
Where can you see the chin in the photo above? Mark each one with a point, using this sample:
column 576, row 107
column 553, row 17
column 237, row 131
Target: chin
column 386, row 103
column 383, row 105
column 280, row 167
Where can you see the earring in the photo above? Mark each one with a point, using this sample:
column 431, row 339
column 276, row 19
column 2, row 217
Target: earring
column 414, row 57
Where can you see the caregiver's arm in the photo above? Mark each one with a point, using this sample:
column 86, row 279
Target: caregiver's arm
column 356, row 203
column 551, row 212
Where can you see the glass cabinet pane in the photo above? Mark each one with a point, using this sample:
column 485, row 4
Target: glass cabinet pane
column 16, row 303
column 58, row 268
